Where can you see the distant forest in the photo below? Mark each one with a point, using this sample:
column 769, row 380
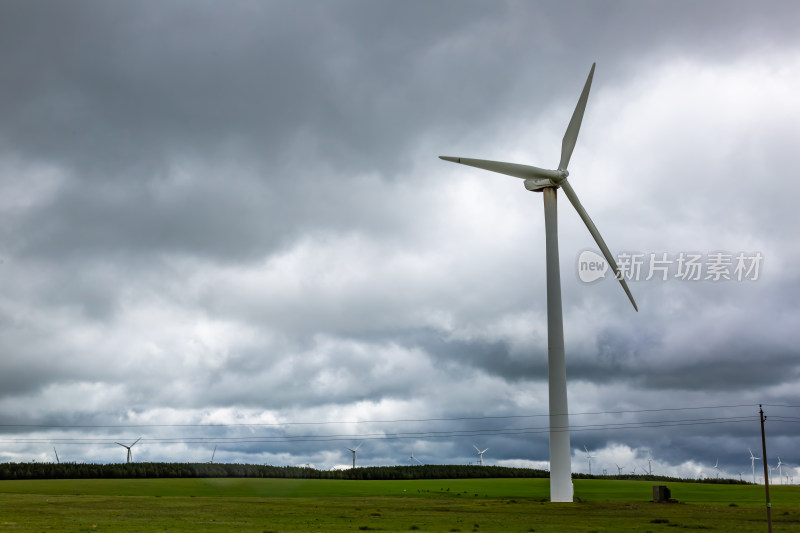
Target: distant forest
column 201, row 470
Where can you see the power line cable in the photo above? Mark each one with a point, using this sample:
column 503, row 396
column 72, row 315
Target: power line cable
column 396, row 421
column 401, row 435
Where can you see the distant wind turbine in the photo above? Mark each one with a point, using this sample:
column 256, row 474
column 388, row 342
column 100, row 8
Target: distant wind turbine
column 753, row 460
column 130, row 455
column 480, row 454
column 59, row 462
column 619, row 469
column 780, row 471
column 589, row 458
column 548, row 182
column 716, row 467
column 211, row 462
column 354, row 450
column 412, row 458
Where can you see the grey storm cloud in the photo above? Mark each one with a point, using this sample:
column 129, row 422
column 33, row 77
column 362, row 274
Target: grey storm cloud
column 230, row 221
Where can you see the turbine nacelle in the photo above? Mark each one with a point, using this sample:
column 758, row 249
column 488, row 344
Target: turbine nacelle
column 538, row 184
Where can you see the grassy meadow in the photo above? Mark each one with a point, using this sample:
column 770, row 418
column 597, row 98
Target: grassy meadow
column 264, row 505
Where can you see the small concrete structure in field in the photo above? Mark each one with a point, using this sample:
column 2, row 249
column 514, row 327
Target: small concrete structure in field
column 661, row 494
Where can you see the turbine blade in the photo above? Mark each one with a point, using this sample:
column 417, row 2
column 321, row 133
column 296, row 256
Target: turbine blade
column 476, row 448
column 571, row 135
column 509, row 169
column 573, row 198
column 137, row 440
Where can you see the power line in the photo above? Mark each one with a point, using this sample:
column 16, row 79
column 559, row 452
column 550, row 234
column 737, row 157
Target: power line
column 396, row 421
column 400, row 435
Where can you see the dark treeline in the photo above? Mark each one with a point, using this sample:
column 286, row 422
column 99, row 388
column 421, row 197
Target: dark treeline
column 652, row 477
column 199, row 470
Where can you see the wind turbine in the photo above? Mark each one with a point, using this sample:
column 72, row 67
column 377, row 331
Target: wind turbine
column 211, row 462
column 753, row 460
column 547, row 182
column 619, row 469
column 354, row 450
column 780, row 471
column 716, row 467
column 649, row 464
column 589, row 458
column 412, row 458
column 59, row 462
column 480, row 454
column 130, row 455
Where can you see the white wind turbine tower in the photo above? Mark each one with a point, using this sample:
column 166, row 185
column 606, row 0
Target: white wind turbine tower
column 412, row 458
column 780, row 471
column 589, row 458
column 130, row 455
column 753, row 460
column 354, row 450
column 480, row 454
column 547, row 182
column 716, row 467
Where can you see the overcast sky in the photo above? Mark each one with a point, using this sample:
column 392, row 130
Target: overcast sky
column 225, row 224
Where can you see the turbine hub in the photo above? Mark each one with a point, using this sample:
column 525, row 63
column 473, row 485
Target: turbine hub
column 562, row 174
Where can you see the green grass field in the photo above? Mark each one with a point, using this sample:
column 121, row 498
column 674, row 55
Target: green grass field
column 506, row 505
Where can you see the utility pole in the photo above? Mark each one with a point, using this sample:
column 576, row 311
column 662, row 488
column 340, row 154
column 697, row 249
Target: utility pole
column 766, row 472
